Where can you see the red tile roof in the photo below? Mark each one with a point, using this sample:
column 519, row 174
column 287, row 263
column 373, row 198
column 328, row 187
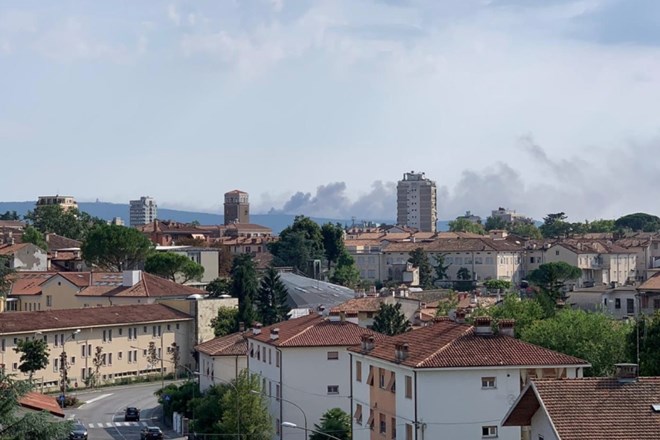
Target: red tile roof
column 56, row 242
column 652, row 284
column 365, row 304
column 593, row 408
column 21, row 322
column 234, row 344
column 41, row 402
column 314, row 331
column 29, row 283
column 10, row 249
column 447, row 344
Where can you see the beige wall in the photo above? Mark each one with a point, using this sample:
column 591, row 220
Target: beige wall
column 204, row 310
column 119, row 347
column 216, row 370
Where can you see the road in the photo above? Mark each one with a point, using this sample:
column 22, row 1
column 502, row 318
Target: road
column 103, row 414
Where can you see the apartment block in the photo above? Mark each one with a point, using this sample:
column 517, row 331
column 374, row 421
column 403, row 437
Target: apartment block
column 221, row 359
column 142, row 211
column 66, row 202
column 417, row 202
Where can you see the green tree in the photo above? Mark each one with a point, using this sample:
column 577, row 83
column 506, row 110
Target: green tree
column 346, row 273
column 591, row 336
column 601, row 226
column 496, row 223
column 225, row 322
column 526, row 230
column 5, row 276
column 638, row 221
column 179, row 398
column 551, row 279
column 10, row 215
column 246, row 409
column 440, row 268
column 419, row 259
column 647, row 330
column 555, row 226
column 34, row 355
column 115, row 248
column 16, row 423
column 170, row 265
column 524, row 311
column 464, row 225
column 390, row 320
column 97, row 362
column 465, row 282
column 218, row 287
column 299, row 244
column 32, row 235
column 335, row 422
column 271, row 300
column 447, row 304
column 333, row 242
column 69, row 223
column 244, row 280
column 209, row 410
column 497, row 284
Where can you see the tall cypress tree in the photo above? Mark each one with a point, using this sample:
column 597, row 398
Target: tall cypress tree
column 271, row 300
column 244, row 286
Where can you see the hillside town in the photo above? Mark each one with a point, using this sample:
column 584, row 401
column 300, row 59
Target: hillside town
column 506, row 327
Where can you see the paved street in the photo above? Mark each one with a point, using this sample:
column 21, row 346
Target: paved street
column 103, row 414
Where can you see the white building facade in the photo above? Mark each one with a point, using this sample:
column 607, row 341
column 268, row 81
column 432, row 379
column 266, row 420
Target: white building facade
column 142, row 211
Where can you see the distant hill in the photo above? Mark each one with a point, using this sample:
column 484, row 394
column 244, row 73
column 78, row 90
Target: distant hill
column 108, row 211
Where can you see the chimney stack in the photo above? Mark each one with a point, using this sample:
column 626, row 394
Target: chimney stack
column 506, row 327
column 627, row 373
column 367, row 342
column 256, row 330
column 274, row 334
column 460, row 316
column 241, row 326
column 401, row 351
column 482, row 326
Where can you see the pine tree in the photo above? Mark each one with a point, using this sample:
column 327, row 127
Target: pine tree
column 271, row 300
column 244, row 286
column 390, row 320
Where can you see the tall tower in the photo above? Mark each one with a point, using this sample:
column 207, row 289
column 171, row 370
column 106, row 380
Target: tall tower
column 237, row 207
column 142, row 211
column 416, row 202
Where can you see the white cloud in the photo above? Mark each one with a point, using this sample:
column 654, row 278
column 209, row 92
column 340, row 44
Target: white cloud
column 173, row 14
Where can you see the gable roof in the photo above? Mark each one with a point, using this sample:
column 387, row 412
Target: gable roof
column 651, row 284
column 56, row 242
column 28, row 283
column 592, row 408
column 22, row 322
column 447, row 344
column 314, row 331
column 234, row 344
column 11, row 249
column 363, row 304
column 41, row 402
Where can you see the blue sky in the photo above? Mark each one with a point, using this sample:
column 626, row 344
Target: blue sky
column 318, row 107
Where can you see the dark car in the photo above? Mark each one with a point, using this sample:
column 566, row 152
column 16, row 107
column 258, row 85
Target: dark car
column 132, row 413
column 151, row 433
column 78, row 432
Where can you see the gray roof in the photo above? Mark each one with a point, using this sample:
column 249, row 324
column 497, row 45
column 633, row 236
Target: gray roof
column 310, row 293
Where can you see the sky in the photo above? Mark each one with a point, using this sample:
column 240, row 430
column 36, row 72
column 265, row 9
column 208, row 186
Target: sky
column 319, row 107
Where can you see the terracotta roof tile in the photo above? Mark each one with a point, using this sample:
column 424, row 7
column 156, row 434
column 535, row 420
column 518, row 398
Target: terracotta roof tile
column 365, row 304
column 595, row 408
column 29, row 283
column 56, row 242
column 21, row 322
column 41, row 402
column 234, row 344
column 10, row 249
column 652, row 284
column 447, row 344
column 314, row 331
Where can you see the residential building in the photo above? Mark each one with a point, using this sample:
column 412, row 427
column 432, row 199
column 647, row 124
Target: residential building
column 239, row 238
column 142, row 211
column 416, row 201
column 169, row 233
column 119, row 335
column 64, row 254
column 366, row 254
column 24, row 257
column 116, row 221
column 620, row 302
column 66, row 202
column 11, row 231
column 508, row 215
column 447, row 380
column 221, row 359
column 304, row 368
column 649, row 295
column 624, row 407
column 208, row 258
column 470, row 217
column 363, row 310
column 237, row 207
column 646, row 246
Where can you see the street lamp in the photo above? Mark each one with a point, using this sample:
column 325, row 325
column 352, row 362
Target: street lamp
column 293, row 425
column 64, row 366
column 291, row 403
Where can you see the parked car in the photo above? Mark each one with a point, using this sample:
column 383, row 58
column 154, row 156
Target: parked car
column 132, row 413
column 151, row 433
column 78, row 432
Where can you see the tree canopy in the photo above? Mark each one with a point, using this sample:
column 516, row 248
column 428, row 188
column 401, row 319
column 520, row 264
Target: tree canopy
column 345, row 273
column 34, row 355
column 419, row 259
column 298, row 245
column 390, row 320
column 10, row 215
column 496, row 223
column 647, row 329
column 115, row 248
column 462, row 224
column 218, row 287
column 32, row 235
column 271, row 299
column 225, row 322
column 249, row 409
column 335, row 422
column 555, row 226
column 244, row 286
column 333, row 242
column 69, row 223
column 525, row 311
column 5, row 273
column 465, row 283
column 171, row 265
column 552, row 277
column 638, row 221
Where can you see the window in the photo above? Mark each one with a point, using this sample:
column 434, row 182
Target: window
column 109, row 358
column 72, row 360
column 540, row 437
column 177, row 326
column 358, row 414
column 358, row 370
column 370, row 379
column 333, row 389
column 14, row 366
column 656, row 304
column 130, row 333
column 263, row 353
column 370, row 421
column 270, row 389
column 169, row 327
column 333, row 355
column 556, row 252
column 630, row 306
column 144, row 352
column 617, row 303
column 277, row 392
column 120, row 355
column 409, row 431
column 153, row 331
column 110, row 335
column 381, row 378
column 277, row 358
column 55, row 364
column 277, row 426
column 487, row 382
column 4, row 344
column 144, row 329
column 489, row 431
column 382, row 425
column 269, row 357
column 391, row 385
column 105, row 336
column 49, row 300
column 251, row 350
column 393, row 430
column 121, row 330
column 408, row 387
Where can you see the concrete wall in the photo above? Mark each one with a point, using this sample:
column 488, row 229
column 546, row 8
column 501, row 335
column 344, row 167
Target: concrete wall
column 217, row 370
column 30, row 258
column 204, row 310
column 541, row 427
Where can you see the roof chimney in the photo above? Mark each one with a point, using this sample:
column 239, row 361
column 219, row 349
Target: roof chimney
column 334, row 316
column 256, row 330
column 627, row 373
column 482, row 326
column 274, row 334
column 401, row 351
column 352, row 316
column 130, row 277
column 506, row 327
column 460, row 316
column 367, row 342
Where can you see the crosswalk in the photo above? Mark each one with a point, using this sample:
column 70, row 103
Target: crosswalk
column 104, row 425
